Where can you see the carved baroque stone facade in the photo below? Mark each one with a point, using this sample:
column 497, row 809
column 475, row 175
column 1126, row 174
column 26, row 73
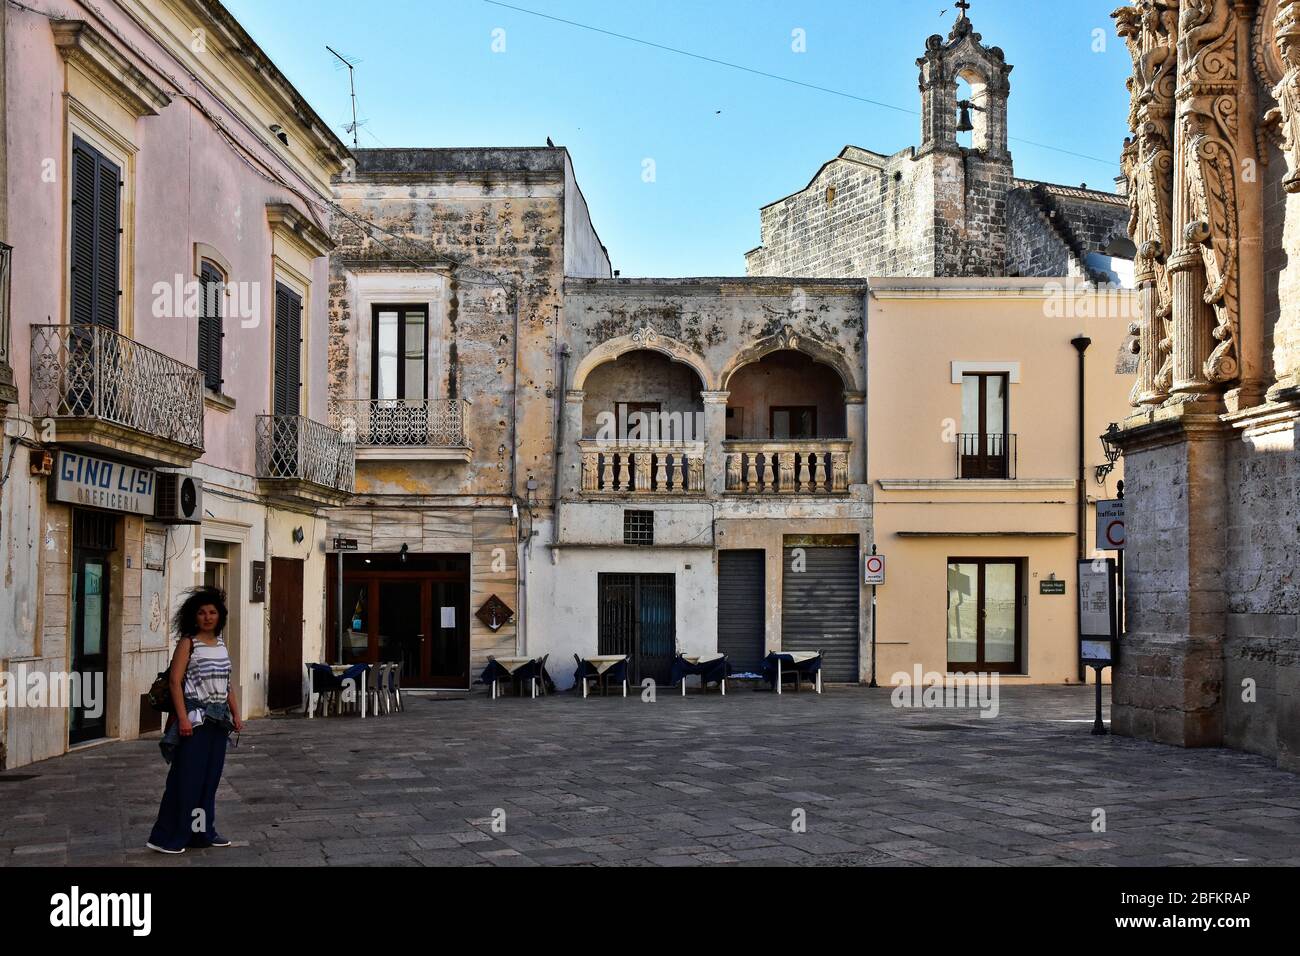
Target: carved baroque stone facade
column 1212, row 651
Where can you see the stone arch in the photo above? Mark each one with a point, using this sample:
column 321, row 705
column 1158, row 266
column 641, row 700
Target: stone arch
column 789, row 339
column 643, row 338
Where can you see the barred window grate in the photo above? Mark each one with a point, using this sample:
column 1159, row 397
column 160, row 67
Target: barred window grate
column 638, row 527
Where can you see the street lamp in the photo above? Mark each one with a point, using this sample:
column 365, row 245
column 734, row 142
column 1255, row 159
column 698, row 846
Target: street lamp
column 1110, row 447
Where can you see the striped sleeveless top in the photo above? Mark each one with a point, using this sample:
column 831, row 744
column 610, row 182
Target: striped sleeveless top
column 207, row 676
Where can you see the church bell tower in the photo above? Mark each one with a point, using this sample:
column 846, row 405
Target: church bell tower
column 969, row 184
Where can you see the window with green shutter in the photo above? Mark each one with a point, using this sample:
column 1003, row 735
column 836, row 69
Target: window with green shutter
column 210, row 326
column 96, row 237
column 288, row 350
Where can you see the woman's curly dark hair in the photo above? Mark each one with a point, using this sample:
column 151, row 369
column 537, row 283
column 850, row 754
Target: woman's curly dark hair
column 186, row 621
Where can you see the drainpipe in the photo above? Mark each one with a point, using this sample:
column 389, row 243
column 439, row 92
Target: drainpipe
column 521, row 560
column 562, row 384
column 1081, row 343
column 866, row 456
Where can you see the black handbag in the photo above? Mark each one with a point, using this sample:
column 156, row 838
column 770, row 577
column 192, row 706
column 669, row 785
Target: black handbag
column 160, row 692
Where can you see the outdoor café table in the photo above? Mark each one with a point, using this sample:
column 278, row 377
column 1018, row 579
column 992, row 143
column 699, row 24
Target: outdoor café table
column 600, row 665
column 799, row 660
column 338, row 670
column 710, row 667
column 501, row 667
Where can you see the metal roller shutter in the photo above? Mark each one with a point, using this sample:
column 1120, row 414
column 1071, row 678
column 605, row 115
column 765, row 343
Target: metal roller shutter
column 741, row 609
column 819, row 608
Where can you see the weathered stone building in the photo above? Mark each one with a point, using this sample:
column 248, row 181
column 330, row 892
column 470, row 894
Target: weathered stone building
column 710, row 492
column 942, row 208
column 445, row 292
column 1212, row 653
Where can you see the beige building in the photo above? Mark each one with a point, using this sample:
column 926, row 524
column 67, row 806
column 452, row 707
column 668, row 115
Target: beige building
column 973, row 425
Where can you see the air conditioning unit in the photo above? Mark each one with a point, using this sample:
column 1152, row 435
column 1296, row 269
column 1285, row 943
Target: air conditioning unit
column 179, row 499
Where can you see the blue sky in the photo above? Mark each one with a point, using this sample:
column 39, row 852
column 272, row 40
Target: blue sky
column 724, row 142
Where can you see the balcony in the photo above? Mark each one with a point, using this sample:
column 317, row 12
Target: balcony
column 811, row 466
column 303, row 461
column 108, row 393
column 404, row 429
column 986, row 456
column 641, row 468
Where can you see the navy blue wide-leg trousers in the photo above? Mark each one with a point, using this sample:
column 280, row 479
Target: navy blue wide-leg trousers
column 192, row 786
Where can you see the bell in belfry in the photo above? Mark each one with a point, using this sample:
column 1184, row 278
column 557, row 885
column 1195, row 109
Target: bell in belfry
column 964, row 125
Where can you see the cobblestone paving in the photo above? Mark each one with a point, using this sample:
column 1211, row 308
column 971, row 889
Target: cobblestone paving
column 700, row 780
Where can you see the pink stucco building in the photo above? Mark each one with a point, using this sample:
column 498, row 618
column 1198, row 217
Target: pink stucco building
column 169, row 210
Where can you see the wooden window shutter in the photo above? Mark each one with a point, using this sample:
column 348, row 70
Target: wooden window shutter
column 96, row 237
column 288, row 349
column 210, row 327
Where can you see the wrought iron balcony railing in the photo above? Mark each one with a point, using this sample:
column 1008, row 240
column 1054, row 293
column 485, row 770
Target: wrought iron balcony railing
column 986, row 456
column 94, row 373
column 402, row 423
column 642, row 468
column 807, row 466
column 297, row 448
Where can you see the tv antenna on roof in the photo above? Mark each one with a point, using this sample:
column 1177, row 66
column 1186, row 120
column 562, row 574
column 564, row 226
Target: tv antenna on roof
column 354, row 125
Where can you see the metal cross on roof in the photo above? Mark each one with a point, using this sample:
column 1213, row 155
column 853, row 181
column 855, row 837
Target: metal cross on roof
column 963, row 6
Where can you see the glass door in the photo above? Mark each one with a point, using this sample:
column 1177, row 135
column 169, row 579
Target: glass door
column 89, row 645
column 984, row 615
column 449, row 648
column 401, row 617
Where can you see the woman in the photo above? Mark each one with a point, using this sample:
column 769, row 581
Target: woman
column 204, row 711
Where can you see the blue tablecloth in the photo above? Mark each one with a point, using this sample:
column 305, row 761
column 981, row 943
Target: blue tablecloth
column 808, row 668
column 533, row 668
column 586, row 669
column 711, row 672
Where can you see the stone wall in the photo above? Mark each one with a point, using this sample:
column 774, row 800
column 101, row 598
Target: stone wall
column 863, row 214
column 1169, row 679
column 947, row 212
column 1261, row 691
column 1034, row 248
column 969, row 211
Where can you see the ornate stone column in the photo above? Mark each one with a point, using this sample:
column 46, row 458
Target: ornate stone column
column 1282, row 68
column 715, row 433
column 1151, row 33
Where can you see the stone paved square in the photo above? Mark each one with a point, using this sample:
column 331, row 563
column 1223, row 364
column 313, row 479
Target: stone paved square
column 701, row 780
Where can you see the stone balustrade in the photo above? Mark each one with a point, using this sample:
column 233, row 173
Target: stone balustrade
column 804, row 467
column 642, row 468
